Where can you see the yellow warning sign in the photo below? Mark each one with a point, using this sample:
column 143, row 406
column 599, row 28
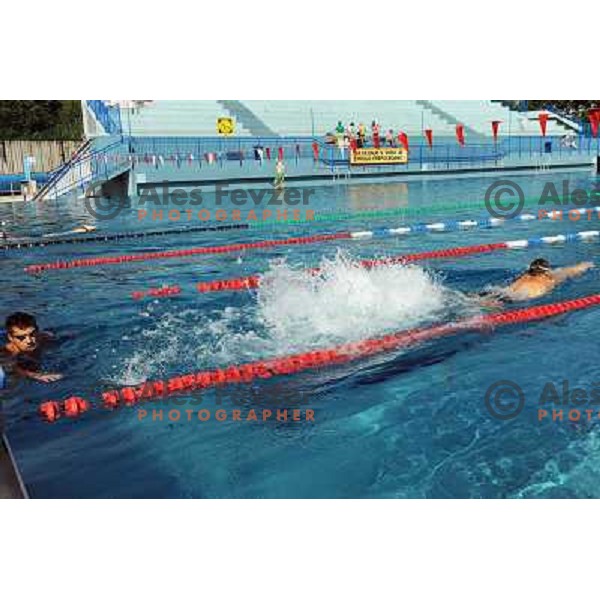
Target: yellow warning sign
column 225, row 126
column 379, row 156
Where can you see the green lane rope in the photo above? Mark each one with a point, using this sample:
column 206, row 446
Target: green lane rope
column 377, row 214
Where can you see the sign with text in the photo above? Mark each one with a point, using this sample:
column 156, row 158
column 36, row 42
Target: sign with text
column 379, row 156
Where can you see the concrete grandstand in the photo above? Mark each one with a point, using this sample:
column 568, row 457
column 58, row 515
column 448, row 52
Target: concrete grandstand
column 133, row 144
column 267, row 118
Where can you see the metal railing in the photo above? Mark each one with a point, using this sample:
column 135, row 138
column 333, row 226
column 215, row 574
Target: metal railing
column 444, row 149
column 91, row 165
column 108, row 157
column 55, row 175
column 201, row 145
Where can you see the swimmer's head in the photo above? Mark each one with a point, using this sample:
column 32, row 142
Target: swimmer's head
column 22, row 331
column 540, row 266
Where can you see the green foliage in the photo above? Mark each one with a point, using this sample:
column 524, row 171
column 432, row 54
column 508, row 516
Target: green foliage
column 40, row 120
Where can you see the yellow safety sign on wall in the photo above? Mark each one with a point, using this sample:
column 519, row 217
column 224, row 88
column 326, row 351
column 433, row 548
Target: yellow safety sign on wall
column 225, row 126
column 379, row 156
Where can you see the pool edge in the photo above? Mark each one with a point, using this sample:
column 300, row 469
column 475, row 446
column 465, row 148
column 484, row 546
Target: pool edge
column 11, row 483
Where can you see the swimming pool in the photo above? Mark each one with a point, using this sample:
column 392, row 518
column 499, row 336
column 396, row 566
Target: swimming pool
column 409, row 423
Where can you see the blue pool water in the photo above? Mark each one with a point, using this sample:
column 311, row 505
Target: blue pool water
column 409, row 424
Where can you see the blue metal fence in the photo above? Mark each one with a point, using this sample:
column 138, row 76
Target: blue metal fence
column 445, row 153
column 109, row 156
column 200, row 145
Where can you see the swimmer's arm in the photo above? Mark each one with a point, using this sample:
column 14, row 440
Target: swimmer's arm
column 35, row 375
column 491, row 302
column 490, row 299
column 47, row 336
column 565, row 273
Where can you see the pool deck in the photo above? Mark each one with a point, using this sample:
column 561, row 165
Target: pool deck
column 11, row 485
column 9, row 199
column 306, row 171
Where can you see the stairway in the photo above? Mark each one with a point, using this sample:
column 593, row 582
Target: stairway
column 247, row 118
column 62, row 170
column 95, row 161
column 570, row 124
column 448, row 118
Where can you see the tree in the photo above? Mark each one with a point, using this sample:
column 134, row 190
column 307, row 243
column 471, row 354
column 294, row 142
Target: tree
column 40, row 120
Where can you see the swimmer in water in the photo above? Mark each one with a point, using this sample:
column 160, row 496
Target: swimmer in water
column 4, row 237
column 539, row 279
column 81, row 229
column 22, row 352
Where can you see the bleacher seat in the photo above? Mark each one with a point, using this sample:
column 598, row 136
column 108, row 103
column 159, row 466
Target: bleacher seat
column 479, row 114
column 318, row 117
column 176, row 118
column 308, row 117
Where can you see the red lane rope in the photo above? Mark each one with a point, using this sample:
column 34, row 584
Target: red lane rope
column 254, row 281
column 286, row 365
column 147, row 256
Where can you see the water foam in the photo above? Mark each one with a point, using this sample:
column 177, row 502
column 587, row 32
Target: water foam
column 293, row 312
column 345, row 301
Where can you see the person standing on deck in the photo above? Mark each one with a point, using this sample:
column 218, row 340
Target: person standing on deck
column 279, row 174
column 375, row 132
column 389, row 138
column 339, row 131
column 351, row 131
column 362, row 135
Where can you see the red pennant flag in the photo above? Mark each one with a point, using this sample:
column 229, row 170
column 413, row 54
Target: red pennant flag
column 280, row 153
column 429, row 136
column 495, row 125
column 543, row 118
column 268, row 153
column 403, row 140
column 594, row 116
column 315, row 149
column 460, row 134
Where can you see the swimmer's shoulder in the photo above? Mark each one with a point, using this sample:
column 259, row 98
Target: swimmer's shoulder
column 8, row 360
column 5, row 355
column 526, row 288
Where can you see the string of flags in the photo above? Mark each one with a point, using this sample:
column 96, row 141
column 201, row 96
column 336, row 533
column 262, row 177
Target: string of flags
column 180, row 159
